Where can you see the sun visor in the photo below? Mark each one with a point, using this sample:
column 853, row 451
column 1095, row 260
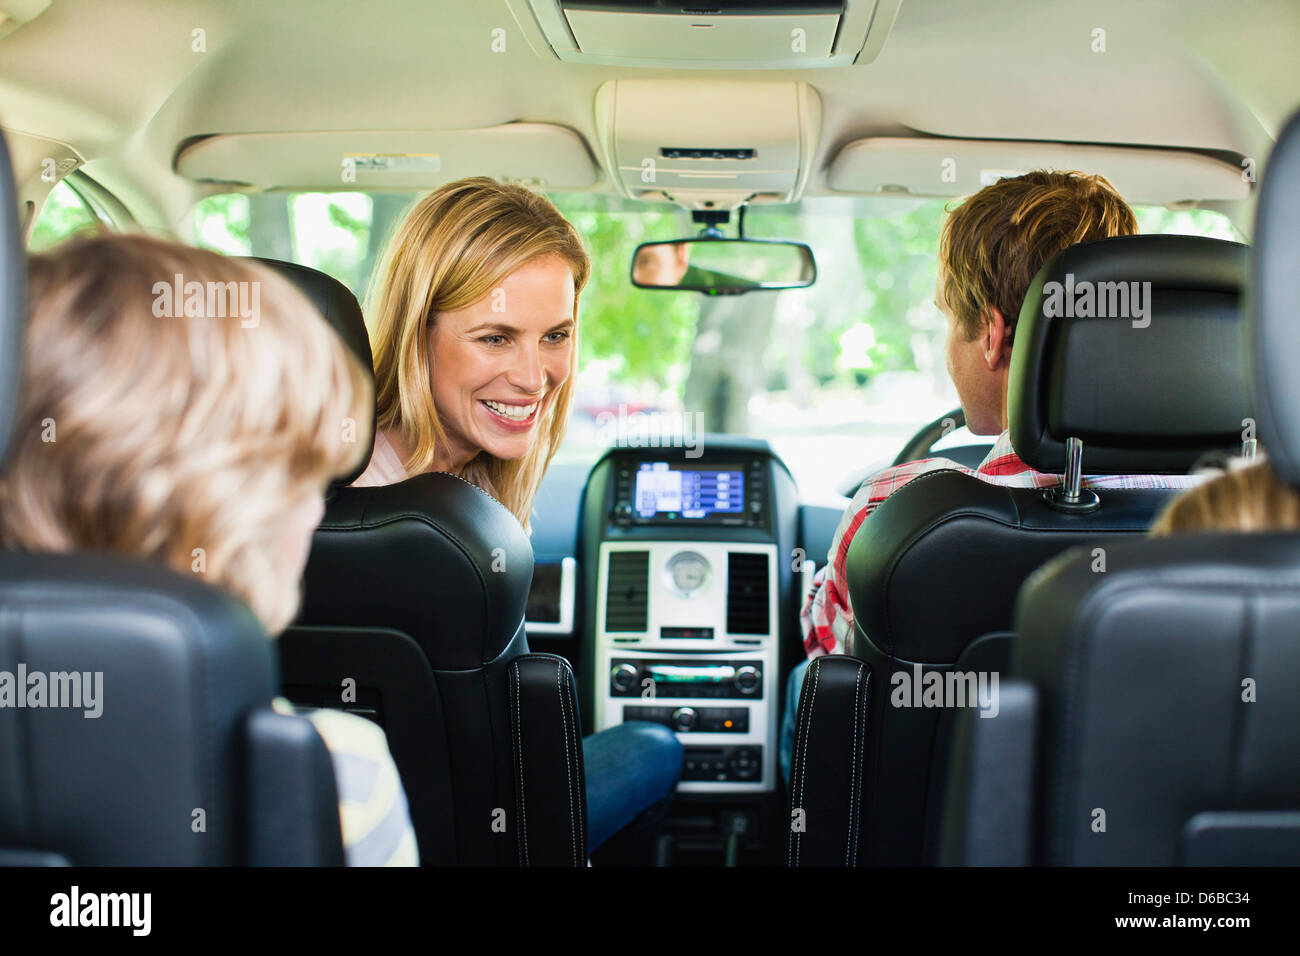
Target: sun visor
column 959, row 167
column 537, row 154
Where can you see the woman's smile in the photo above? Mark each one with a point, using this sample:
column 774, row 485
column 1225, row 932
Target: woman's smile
column 512, row 416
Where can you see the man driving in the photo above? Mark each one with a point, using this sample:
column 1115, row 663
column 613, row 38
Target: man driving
column 990, row 248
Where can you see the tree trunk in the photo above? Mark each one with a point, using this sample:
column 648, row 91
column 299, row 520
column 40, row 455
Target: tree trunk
column 385, row 210
column 727, row 359
column 269, row 232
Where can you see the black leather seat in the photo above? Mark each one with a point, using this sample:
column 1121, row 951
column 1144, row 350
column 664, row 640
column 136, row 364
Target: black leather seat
column 1154, row 718
column 413, row 614
column 933, row 573
column 185, row 762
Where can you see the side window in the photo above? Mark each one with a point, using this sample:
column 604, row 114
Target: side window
column 1186, row 222
column 64, row 215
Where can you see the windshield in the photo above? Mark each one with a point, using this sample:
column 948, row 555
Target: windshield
column 836, row 376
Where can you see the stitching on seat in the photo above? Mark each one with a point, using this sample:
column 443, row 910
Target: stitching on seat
column 579, row 775
column 519, row 763
column 815, row 666
column 796, row 764
column 568, row 764
column 853, row 774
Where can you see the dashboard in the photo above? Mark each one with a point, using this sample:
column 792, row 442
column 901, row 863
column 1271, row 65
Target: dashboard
column 672, row 583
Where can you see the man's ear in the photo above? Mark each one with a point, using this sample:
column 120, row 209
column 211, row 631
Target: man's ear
column 996, row 340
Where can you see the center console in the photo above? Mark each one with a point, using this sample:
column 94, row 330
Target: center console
column 689, row 588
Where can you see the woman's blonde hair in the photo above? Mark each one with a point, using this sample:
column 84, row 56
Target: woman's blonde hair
column 455, row 247
column 182, row 429
column 1249, row 498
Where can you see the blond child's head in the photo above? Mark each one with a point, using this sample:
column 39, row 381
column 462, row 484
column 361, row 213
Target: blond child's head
column 197, row 429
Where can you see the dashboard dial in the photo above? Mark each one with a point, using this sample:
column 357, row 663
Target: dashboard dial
column 687, row 572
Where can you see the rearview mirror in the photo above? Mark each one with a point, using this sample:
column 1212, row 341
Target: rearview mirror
column 723, row 266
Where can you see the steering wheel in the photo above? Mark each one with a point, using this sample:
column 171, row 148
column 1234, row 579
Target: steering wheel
column 920, row 444
column 917, row 447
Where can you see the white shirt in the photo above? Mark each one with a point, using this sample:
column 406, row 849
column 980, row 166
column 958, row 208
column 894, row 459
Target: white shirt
column 385, row 466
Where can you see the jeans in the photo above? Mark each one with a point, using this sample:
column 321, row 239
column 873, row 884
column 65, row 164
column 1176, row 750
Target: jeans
column 632, row 771
column 793, row 685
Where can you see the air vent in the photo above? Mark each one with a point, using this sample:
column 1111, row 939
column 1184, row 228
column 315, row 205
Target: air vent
column 747, row 597
column 627, row 591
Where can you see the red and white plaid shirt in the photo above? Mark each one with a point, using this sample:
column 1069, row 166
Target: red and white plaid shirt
column 827, row 617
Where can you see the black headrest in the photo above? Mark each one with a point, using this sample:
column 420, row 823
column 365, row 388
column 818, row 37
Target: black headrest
column 181, row 665
column 1148, row 384
column 433, row 556
column 1275, row 320
column 340, row 308
column 13, row 308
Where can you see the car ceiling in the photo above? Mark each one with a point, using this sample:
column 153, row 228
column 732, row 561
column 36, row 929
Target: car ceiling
column 120, row 83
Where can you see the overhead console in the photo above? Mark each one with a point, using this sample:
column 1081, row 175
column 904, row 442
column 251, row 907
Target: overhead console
column 717, row 35
column 708, row 144
column 689, row 589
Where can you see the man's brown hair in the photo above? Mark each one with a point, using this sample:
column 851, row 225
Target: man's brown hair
column 994, row 243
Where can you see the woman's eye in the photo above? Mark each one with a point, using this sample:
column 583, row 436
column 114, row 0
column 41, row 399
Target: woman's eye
column 557, row 337
column 493, row 339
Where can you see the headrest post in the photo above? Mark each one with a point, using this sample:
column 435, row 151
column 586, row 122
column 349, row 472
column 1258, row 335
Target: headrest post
column 1248, row 448
column 1071, row 497
column 1073, row 478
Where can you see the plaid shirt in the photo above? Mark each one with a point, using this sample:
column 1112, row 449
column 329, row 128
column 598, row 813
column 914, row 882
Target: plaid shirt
column 827, row 617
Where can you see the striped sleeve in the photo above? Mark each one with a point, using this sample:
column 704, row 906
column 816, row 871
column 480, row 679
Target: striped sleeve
column 373, row 813
column 826, row 618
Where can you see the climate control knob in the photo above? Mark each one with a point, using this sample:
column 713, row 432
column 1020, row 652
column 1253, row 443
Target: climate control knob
column 624, row 676
column 748, row 679
column 685, row 718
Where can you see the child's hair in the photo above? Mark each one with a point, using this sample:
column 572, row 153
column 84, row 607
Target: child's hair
column 1249, row 498
column 177, row 405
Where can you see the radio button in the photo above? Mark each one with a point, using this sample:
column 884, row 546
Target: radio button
column 748, row 679
column 744, row 762
column 623, row 677
column 685, row 719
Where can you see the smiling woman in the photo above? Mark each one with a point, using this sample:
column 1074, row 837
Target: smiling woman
column 473, row 319
column 473, row 322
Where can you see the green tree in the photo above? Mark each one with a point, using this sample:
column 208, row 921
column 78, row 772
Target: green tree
column 63, row 216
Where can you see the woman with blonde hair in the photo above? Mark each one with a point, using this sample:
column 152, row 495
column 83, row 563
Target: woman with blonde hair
column 189, row 409
column 473, row 317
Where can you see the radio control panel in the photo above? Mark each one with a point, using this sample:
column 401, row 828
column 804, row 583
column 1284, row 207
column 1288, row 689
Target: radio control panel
column 685, row 637
column 722, row 764
column 686, row 678
column 685, row 719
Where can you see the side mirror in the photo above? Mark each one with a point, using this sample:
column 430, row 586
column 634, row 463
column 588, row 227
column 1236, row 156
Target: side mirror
column 723, row 266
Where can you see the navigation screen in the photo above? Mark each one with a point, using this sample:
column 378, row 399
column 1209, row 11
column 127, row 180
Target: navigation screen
column 664, row 490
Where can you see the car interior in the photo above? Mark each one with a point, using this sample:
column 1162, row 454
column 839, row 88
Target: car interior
column 760, row 185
